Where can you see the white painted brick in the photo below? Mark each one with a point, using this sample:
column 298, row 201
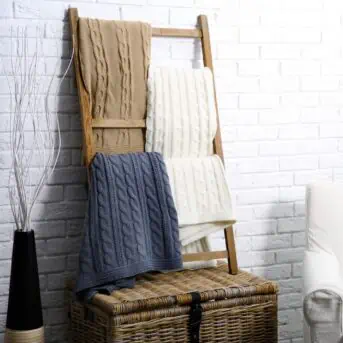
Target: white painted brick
column 224, row 33
column 331, row 161
column 57, row 30
column 67, row 175
column 237, row 51
column 258, row 34
column 300, row 99
column 51, row 264
column 258, row 68
column 76, row 192
column 72, row 262
column 279, row 116
column 305, row 177
column 297, row 270
column 98, row 10
column 63, row 245
column 332, row 67
column 275, row 272
column 300, row 35
column 284, row 17
column 186, row 50
column 291, row 193
column 252, row 133
column 243, row 149
column 291, row 225
column 259, row 100
column 289, row 300
column 56, row 316
column 57, row 281
column 300, row 68
column 74, row 227
column 253, row 228
column 294, row 147
column 53, row 299
column 320, row 115
column 300, row 208
column 225, row 68
column 331, row 130
column 290, row 324
column 49, row 229
column 290, row 255
column 321, row 51
column 315, row 83
column 238, row 84
column 271, row 242
column 291, row 286
column 6, row 9
column 238, row 117
column 188, row 16
column 258, row 196
column 299, row 162
column 299, row 131
column 331, row 99
column 153, row 15
column 299, row 239
column 273, row 211
column 226, row 101
column 281, row 51
column 261, row 180
column 238, row 16
column 257, row 165
column 257, row 258
column 37, row 9
column 242, row 243
column 279, row 84
column 178, row 3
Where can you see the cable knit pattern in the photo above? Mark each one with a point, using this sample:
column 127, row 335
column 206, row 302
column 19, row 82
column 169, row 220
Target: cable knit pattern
column 181, row 120
column 126, row 86
column 114, row 59
column 124, row 180
column 181, row 125
column 101, row 67
column 198, row 217
column 106, row 237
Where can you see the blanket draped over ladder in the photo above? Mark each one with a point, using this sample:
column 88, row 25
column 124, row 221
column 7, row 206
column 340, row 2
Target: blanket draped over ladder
column 181, row 125
column 114, row 61
column 131, row 226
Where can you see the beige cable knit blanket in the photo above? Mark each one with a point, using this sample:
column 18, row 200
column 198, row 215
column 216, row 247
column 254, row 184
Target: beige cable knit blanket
column 114, row 59
column 181, row 125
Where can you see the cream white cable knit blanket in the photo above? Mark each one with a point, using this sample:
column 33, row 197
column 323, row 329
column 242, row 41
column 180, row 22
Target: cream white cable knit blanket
column 181, row 125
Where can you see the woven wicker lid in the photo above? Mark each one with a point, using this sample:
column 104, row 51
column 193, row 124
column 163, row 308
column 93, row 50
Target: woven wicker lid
column 161, row 290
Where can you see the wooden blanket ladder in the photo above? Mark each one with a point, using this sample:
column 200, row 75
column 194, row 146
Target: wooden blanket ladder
column 88, row 123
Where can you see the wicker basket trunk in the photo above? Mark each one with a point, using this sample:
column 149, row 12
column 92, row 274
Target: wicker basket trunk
column 235, row 308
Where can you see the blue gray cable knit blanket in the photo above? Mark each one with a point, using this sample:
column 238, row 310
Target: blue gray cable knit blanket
column 131, row 225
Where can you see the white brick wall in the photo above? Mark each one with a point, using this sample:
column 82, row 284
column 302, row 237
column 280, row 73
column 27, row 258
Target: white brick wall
column 278, row 67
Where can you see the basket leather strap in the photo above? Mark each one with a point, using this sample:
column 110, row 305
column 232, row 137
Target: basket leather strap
column 195, row 317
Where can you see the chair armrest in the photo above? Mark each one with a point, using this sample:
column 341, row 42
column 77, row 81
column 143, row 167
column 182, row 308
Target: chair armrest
column 323, row 315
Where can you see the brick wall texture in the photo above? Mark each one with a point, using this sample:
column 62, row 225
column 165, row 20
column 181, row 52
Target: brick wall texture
column 278, row 71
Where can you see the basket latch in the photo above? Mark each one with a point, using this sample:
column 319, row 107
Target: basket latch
column 195, row 317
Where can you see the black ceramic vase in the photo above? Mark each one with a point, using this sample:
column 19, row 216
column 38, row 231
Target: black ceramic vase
column 24, row 313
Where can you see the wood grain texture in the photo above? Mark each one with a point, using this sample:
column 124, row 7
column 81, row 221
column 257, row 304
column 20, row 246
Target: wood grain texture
column 88, row 123
column 118, row 123
column 205, row 256
column 86, row 117
column 170, row 32
column 217, row 144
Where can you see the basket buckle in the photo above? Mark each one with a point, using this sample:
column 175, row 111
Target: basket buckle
column 195, row 317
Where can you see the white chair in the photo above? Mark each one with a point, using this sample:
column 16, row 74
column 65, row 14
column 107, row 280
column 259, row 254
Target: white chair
column 323, row 264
